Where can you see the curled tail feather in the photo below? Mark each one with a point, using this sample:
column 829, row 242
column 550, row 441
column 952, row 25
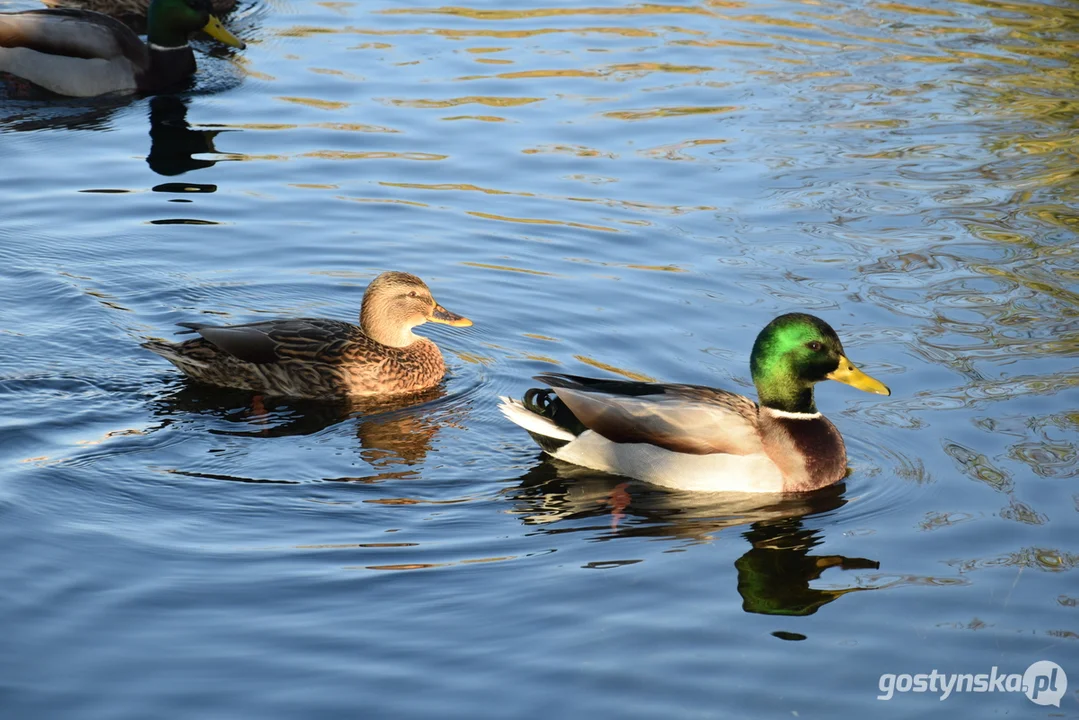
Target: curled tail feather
column 546, row 418
column 535, row 423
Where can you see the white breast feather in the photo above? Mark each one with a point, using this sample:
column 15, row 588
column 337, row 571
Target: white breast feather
column 717, row 472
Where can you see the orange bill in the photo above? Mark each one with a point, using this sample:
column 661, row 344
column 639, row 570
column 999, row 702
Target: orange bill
column 444, row 316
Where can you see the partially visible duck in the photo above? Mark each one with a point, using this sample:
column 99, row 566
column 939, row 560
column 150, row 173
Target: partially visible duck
column 322, row 358
column 84, row 54
column 132, row 12
column 692, row 437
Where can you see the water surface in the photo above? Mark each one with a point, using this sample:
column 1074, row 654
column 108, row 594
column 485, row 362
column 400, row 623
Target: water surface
column 626, row 189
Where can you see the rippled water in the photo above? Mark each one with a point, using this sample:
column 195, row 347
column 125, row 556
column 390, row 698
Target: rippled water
column 630, row 189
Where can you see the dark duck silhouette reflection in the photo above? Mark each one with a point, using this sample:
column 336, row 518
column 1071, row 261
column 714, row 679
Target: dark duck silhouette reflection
column 774, row 575
column 173, row 144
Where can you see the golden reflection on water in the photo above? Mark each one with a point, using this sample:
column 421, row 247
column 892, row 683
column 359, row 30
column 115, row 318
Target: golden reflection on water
column 505, row 268
column 389, row 201
column 341, row 127
column 675, row 151
column 314, row 103
column 457, row 34
column 466, row 187
column 540, row 221
column 478, row 118
column 456, row 186
column 490, row 101
column 669, row 112
column 630, row 266
column 428, row 566
column 607, row 367
column 373, row 155
column 630, row 10
column 635, row 70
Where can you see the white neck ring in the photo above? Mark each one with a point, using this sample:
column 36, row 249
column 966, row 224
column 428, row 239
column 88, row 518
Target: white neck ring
column 791, row 415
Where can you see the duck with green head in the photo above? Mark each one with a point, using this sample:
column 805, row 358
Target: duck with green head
column 692, row 437
column 84, row 54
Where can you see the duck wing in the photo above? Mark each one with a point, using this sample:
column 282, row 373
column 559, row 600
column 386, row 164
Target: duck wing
column 271, row 341
column 72, row 33
column 691, row 419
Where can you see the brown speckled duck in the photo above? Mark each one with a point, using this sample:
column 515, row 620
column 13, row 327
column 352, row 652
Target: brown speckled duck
column 132, row 12
column 321, row 358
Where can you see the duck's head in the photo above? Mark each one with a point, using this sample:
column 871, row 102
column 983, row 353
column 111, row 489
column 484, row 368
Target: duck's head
column 793, row 353
column 169, row 23
column 396, row 302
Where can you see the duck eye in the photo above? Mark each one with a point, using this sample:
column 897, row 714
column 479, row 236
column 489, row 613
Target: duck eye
column 814, row 346
column 412, row 293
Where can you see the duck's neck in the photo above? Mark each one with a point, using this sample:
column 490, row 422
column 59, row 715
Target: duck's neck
column 396, row 337
column 377, row 327
column 778, row 385
column 171, row 59
column 162, row 28
column 169, row 66
column 786, row 395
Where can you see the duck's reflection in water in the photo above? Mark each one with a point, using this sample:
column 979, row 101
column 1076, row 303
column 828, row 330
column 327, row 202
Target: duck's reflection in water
column 774, row 575
column 173, row 144
column 394, row 435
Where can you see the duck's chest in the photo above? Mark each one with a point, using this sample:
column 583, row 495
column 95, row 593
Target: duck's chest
column 166, row 67
column 808, row 450
column 395, row 370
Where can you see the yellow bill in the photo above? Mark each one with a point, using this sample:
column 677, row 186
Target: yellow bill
column 444, row 316
column 847, row 374
column 219, row 32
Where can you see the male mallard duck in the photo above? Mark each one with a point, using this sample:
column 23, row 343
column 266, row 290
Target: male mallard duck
column 320, row 358
column 130, row 11
column 83, row 53
column 692, row 437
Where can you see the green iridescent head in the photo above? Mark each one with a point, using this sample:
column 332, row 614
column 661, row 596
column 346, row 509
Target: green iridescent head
column 169, row 23
column 793, row 353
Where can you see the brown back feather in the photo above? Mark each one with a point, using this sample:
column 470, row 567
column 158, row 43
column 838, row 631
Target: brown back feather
column 72, row 33
column 689, row 419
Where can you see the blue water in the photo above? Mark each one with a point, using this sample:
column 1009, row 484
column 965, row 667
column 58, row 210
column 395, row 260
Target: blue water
column 607, row 190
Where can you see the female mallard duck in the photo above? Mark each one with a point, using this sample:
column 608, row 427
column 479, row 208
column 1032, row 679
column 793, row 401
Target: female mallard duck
column 130, row 11
column 84, row 54
column 692, row 437
column 319, row 358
